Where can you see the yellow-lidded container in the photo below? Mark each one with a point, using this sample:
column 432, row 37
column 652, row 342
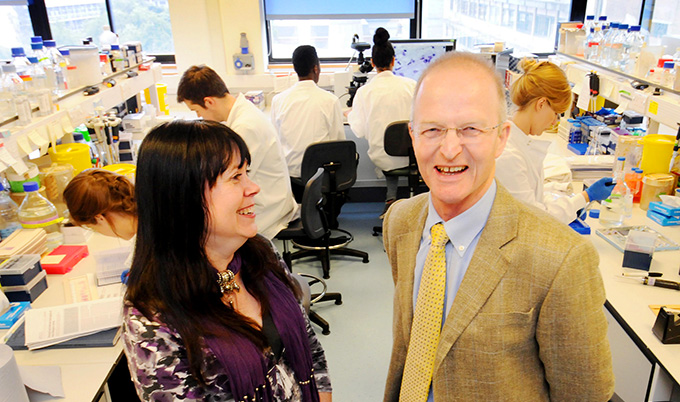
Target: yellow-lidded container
column 654, row 185
column 124, row 169
column 75, row 154
column 657, row 150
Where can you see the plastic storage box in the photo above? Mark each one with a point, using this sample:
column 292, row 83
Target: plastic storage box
column 63, row 258
column 19, row 270
column 28, row 292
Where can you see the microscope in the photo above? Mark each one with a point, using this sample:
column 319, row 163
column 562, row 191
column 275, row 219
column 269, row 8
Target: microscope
column 365, row 67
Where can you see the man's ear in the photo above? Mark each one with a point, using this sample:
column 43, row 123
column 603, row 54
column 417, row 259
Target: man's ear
column 209, row 101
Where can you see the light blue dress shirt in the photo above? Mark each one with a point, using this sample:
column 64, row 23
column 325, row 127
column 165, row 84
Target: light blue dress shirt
column 464, row 231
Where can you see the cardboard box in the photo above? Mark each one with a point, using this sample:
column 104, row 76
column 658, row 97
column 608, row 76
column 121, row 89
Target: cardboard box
column 14, row 314
column 661, row 219
column 663, row 209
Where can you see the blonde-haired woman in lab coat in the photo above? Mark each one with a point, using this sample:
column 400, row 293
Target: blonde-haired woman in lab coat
column 541, row 94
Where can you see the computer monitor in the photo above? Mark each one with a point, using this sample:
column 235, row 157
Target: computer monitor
column 411, row 56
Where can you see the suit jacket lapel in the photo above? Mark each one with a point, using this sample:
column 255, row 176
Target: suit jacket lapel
column 485, row 271
column 407, row 245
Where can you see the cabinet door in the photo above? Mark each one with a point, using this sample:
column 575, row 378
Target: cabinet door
column 632, row 369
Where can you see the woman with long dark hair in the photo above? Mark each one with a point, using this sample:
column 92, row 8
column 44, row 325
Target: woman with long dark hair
column 211, row 312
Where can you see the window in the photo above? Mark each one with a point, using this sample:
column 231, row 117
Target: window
column 15, row 29
column 623, row 11
column 531, row 27
column 665, row 25
column 72, row 21
column 68, row 22
column 331, row 38
column 147, row 21
column 330, row 26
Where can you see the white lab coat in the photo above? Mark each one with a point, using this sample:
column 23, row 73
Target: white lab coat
column 520, row 170
column 304, row 114
column 384, row 99
column 274, row 205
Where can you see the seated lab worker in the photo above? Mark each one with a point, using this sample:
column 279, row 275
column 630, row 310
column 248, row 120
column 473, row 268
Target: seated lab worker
column 384, row 99
column 103, row 202
column 204, row 92
column 304, row 113
column 540, row 94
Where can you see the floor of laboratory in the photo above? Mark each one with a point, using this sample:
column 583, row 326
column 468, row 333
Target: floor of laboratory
column 358, row 347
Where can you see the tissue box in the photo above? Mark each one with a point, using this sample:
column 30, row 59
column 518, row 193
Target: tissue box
column 661, row 219
column 28, row 292
column 19, row 270
column 15, row 312
column 663, row 209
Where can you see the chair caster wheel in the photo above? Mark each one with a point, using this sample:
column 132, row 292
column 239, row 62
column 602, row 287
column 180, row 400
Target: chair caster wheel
column 326, row 332
column 365, row 260
column 338, row 302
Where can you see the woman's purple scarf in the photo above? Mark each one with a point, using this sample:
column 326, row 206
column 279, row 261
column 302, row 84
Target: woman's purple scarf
column 245, row 364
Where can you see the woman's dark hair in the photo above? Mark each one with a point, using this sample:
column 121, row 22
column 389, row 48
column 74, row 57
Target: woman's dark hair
column 97, row 192
column 171, row 275
column 382, row 52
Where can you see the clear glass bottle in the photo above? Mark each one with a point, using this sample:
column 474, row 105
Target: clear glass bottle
column 587, row 24
column 71, row 70
column 117, row 60
column 618, row 41
column 634, row 45
column 37, row 212
column 14, row 96
column 619, row 206
column 58, row 64
column 20, row 61
column 9, row 219
column 668, row 74
column 593, row 41
column 38, row 88
column 606, row 47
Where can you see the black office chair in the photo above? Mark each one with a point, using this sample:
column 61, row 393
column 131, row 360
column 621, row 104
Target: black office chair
column 398, row 142
column 339, row 159
column 312, row 224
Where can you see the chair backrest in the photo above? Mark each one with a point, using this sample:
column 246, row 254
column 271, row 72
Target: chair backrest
column 312, row 215
column 397, row 140
column 339, row 158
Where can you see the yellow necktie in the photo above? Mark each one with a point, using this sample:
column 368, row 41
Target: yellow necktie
column 427, row 322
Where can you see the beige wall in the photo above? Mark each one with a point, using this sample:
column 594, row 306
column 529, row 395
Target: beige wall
column 208, row 32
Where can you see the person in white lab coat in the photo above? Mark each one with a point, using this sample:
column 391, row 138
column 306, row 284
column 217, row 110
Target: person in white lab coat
column 541, row 94
column 304, row 113
column 384, row 99
column 204, row 92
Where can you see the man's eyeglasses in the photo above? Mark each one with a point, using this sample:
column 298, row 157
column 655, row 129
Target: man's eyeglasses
column 468, row 134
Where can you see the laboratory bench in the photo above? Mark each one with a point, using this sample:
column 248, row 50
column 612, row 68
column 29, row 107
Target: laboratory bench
column 645, row 369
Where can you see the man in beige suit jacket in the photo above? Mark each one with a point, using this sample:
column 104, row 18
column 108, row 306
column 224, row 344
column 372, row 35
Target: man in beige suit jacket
column 526, row 322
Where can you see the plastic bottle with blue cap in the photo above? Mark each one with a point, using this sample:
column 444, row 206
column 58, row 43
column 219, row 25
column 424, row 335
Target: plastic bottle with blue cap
column 619, row 205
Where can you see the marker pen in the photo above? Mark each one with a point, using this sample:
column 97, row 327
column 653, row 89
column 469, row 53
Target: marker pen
column 642, row 274
column 661, row 283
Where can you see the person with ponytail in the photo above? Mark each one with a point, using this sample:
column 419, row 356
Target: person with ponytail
column 211, row 313
column 386, row 98
column 104, row 202
column 540, row 95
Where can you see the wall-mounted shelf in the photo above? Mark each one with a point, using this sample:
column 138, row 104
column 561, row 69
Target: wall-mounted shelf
column 620, row 73
column 73, row 110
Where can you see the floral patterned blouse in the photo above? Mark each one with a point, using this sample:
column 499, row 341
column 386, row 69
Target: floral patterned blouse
column 160, row 369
